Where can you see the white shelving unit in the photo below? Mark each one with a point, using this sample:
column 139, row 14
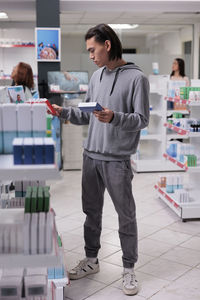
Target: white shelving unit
column 191, row 209
column 9, row 171
column 149, row 157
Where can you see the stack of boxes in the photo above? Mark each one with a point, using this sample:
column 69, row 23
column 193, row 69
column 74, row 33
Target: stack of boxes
column 20, row 120
column 30, row 151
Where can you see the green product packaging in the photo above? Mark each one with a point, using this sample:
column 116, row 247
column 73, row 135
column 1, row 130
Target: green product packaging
column 27, row 208
column 49, row 118
column 46, row 199
column 34, row 202
column 40, row 202
column 59, row 241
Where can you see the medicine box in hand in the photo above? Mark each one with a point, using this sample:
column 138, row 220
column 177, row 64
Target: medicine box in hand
column 89, row 106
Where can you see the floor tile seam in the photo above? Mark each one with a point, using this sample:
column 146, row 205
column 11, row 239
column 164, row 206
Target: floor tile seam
column 159, row 256
column 110, row 254
column 165, row 226
column 106, row 284
column 167, row 243
column 172, row 261
column 137, row 268
column 155, row 277
column 192, row 234
column 171, row 246
column 165, row 286
column 195, row 250
column 150, row 213
column 149, row 274
column 97, row 291
column 72, row 249
column 188, row 247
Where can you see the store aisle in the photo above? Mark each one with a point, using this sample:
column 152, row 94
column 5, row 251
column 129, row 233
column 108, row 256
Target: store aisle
column 169, row 250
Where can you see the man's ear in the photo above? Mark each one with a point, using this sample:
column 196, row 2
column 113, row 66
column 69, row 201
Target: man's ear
column 108, row 45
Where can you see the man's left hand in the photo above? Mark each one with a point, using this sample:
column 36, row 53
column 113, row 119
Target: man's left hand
column 105, row 115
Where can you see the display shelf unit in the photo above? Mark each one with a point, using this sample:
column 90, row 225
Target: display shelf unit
column 183, row 112
column 183, row 101
column 175, row 161
column 55, row 288
column 152, row 165
column 149, row 157
column 16, row 260
column 182, row 131
column 177, row 99
column 191, row 209
column 9, row 171
column 157, row 137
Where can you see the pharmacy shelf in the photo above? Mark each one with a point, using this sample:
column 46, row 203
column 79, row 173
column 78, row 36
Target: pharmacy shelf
column 190, row 210
column 177, row 99
column 176, row 136
column 16, row 46
column 177, row 129
column 157, row 165
column 55, row 288
column 183, row 111
column 157, row 137
column 182, row 131
column 183, row 101
column 181, row 165
column 9, row 171
column 176, row 162
column 169, row 200
column 19, row 260
column 155, row 113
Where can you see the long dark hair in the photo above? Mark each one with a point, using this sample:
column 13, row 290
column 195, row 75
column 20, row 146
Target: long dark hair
column 181, row 66
column 103, row 32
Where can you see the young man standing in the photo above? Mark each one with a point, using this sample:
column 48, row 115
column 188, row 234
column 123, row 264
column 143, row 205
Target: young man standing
column 113, row 135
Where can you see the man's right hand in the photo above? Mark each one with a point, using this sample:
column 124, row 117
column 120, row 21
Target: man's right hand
column 58, row 109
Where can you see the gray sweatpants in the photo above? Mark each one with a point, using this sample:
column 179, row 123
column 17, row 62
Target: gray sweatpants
column 116, row 177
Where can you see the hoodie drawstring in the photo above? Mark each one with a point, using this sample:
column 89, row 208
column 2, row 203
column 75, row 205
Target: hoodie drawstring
column 116, row 76
column 114, row 81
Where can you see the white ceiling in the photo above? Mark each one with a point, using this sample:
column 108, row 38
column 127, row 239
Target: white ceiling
column 77, row 16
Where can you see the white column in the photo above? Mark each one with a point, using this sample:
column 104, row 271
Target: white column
column 196, row 35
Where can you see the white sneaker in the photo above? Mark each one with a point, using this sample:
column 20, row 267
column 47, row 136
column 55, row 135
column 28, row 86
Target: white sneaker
column 130, row 283
column 84, row 268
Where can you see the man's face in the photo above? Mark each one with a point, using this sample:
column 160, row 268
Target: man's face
column 99, row 53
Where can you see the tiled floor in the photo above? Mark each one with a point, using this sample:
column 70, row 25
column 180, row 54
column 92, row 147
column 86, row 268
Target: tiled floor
column 169, row 250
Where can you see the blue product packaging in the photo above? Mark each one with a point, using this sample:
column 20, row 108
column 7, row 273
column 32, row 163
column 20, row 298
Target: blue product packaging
column 24, row 134
column 59, row 273
column 39, row 151
column 8, row 137
column 28, row 151
column 48, row 151
column 56, row 137
column 18, row 151
column 39, row 134
column 51, row 273
column 1, row 142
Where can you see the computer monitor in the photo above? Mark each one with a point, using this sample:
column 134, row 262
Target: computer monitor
column 67, row 82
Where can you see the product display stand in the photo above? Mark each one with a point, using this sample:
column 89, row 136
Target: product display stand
column 190, row 209
column 149, row 157
column 9, row 171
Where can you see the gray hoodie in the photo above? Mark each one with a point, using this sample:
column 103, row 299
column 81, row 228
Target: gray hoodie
column 124, row 90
